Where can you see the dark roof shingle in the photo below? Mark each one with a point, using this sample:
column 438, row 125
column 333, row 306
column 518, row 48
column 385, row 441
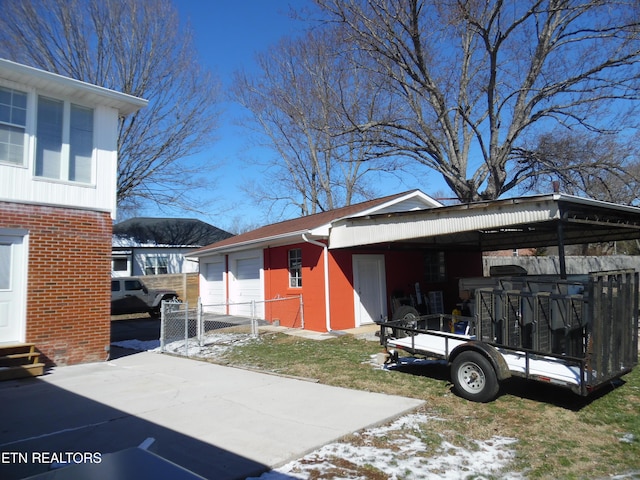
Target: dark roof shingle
column 170, row 231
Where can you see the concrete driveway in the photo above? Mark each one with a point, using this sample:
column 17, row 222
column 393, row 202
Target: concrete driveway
column 220, row 422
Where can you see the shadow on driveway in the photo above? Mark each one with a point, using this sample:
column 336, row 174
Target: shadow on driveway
column 39, row 419
column 220, row 422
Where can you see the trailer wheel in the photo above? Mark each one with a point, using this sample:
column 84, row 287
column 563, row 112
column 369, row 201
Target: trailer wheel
column 474, row 377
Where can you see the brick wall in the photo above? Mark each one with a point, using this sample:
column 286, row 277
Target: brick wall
column 69, row 270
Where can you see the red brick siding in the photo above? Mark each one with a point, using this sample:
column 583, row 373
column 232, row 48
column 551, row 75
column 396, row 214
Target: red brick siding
column 69, row 270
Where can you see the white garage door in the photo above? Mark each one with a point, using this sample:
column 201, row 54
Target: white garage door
column 213, row 291
column 246, row 286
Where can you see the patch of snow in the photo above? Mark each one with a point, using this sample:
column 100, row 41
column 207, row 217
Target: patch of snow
column 407, row 460
column 125, row 241
column 213, row 346
column 627, row 476
column 628, row 438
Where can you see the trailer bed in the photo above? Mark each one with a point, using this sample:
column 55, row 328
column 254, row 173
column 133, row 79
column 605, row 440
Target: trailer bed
column 440, row 345
column 556, row 370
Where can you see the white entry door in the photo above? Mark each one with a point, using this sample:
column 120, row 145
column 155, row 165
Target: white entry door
column 369, row 287
column 12, row 288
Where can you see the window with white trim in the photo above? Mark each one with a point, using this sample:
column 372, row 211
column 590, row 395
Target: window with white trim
column 120, row 265
column 64, row 141
column 156, row 265
column 13, row 123
column 295, row 268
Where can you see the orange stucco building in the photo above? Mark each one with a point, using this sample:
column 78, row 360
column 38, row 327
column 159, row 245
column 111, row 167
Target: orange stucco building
column 339, row 288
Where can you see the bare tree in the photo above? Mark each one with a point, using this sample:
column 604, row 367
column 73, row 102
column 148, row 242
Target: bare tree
column 134, row 47
column 475, row 78
column 302, row 103
column 603, row 167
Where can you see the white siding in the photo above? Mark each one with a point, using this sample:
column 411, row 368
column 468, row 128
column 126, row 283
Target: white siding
column 18, row 183
column 405, row 206
column 175, row 256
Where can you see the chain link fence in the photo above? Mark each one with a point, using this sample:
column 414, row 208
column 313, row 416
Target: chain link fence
column 210, row 329
column 178, row 324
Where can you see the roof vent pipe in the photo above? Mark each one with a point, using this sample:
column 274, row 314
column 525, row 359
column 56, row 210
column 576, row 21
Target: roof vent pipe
column 325, row 251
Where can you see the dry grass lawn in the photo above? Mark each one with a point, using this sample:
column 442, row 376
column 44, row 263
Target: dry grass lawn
column 560, row 435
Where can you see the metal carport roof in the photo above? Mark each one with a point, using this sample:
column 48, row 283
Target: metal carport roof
column 543, row 220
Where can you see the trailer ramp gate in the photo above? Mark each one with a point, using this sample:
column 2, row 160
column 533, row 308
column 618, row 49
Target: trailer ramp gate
column 590, row 327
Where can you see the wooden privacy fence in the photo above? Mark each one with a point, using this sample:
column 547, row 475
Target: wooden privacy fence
column 186, row 284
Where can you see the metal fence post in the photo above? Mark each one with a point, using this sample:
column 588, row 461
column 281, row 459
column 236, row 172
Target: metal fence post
column 254, row 327
column 186, row 329
column 163, row 319
column 301, row 312
column 200, row 323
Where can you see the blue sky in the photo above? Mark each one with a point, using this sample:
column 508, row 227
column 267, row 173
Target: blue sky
column 227, row 35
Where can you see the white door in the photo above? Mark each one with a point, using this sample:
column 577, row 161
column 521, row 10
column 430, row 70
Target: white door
column 369, row 287
column 246, row 286
column 213, row 291
column 12, row 288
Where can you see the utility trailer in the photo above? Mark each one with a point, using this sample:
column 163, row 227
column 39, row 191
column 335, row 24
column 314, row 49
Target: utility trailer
column 579, row 335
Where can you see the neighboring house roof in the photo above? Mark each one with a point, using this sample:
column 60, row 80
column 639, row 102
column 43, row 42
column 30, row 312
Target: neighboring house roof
column 166, row 232
column 318, row 225
column 70, row 88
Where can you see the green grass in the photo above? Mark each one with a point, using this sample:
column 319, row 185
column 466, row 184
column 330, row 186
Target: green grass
column 560, row 435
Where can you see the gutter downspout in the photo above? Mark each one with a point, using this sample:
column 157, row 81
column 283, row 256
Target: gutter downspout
column 325, row 251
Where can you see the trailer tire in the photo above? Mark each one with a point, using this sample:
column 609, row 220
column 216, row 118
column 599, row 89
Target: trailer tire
column 474, row 377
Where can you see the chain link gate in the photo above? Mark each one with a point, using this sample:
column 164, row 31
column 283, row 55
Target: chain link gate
column 196, row 332
column 177, row 324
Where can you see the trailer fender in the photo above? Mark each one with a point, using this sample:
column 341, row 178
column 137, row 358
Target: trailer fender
column 493, row 355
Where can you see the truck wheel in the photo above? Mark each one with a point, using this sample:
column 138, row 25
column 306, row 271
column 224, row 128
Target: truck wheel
column 409, row 317
column 474, row 377
column 157, row 311
column 406, row 312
